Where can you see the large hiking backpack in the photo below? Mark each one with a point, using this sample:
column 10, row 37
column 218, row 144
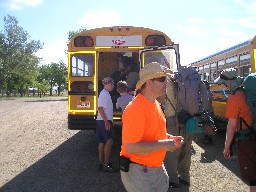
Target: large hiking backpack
column 188, row 98
column 192, row 92
column 250, row 92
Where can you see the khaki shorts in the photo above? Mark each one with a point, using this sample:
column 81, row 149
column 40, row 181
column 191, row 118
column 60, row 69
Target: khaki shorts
column 142, row 178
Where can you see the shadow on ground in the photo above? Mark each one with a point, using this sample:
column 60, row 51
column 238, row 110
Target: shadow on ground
column 73, row 166
column 214, row 151
column 47, row 100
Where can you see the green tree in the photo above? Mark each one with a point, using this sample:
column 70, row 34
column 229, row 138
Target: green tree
column 60, row 72
column 45, row 75
column 42, row 86
column 2, row 65
column 18, row 63
column 72, row 33
column 42, row 80
column 55, row 74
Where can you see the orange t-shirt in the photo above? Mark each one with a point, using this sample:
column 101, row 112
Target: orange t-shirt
column 237, row 107
column 143, row 121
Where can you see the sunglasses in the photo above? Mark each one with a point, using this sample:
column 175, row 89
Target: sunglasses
column 160, row 79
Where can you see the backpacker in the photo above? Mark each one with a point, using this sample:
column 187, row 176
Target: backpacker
column 192, row 92
column 249, row 85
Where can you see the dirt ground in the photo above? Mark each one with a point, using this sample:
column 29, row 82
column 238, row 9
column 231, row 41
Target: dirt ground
column 39, row 153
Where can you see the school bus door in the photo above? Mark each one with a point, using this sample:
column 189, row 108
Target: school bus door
column 82, row 90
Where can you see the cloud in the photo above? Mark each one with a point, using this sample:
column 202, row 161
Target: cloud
column 19, row 4
column 53, row 52
column 97, row 18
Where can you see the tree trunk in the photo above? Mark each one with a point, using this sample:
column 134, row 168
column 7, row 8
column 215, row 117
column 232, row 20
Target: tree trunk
column 58, row 90
column 51, row 90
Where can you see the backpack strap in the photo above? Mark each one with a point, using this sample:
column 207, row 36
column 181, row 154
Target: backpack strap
column 251, row 134
column 171, row 103
column 224, row 92
column 242, row 120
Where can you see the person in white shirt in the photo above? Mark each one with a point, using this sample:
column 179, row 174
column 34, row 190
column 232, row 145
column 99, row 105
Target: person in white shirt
column 104, row 129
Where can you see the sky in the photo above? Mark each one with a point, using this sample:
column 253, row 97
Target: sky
column 201, row 27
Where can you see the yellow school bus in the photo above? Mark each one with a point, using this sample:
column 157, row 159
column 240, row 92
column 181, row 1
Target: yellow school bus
column 241, row 56
column 93, row 55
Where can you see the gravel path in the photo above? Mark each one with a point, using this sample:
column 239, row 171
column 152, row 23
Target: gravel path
column 39, row 153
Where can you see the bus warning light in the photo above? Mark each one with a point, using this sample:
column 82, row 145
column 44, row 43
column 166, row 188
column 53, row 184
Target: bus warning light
column 83, row 41
column 155, row 40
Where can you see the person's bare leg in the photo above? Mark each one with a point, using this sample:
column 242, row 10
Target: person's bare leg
column 107, row 151
column 101, row 152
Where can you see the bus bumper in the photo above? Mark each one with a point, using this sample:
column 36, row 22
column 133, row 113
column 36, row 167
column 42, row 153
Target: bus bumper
column 81, row 122
column 87, row 122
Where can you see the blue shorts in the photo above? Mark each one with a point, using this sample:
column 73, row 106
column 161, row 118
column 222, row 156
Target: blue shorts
column 103, row 135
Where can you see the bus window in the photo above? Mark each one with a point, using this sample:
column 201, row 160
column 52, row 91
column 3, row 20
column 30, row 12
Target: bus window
column 245, row 59
column 220, row 65
column 206, row 72
column 167, row 56
column 82, row 65
column 164, row 57
column 245, row 70
column 200, row 71
column 232, row 61
column 212, row 72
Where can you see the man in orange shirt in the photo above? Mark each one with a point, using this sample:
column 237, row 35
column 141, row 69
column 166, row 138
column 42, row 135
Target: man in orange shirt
column 237, row 109
column 144, row 137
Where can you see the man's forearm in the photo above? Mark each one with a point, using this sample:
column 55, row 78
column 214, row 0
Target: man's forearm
column 145, row 147
column 231, row 127
column 229, row 137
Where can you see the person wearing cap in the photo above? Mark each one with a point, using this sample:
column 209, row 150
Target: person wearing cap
column 236, row 110
column 144, row 137
column 104, row 129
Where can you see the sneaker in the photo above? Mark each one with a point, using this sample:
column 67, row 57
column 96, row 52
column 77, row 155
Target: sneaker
column 184, row 182
column 101, row 165
column 110, row 164
column 173, row 185
column 108, row 168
